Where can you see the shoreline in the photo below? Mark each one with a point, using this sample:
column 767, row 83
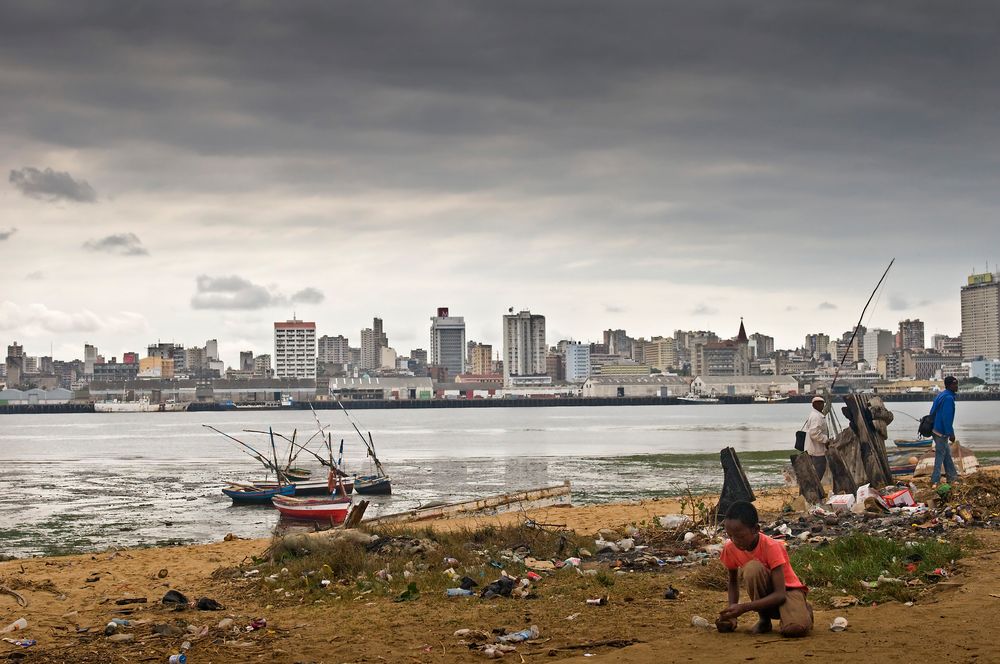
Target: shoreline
column 417, row 404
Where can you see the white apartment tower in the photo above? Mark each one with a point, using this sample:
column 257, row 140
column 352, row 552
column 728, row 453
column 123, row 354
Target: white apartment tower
column 295, row 349
column 576, row 361
column 878, row 342
column 981, row 317
column 448, row 342
column 524, row 346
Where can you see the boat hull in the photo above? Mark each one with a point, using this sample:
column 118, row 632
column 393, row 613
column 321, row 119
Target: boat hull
column 373, row 486
column 308, row 488
column 262, row 497
column 913, row 444
column 313, row 509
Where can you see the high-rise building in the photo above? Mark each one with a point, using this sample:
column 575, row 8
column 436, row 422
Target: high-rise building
column 15, row 364
column 817, row 344
column 334, row 350
column 911, row 334
column 89, row 359
column 761, row 346
column 947, row 345
column 727, row 358
column 482, row 359
column 618, row 342
column 688, row 346
column 524, row 346
column 448, row 342
column 555, row 366
column 295, row 349
column 373, row 340
column 212, row 349
column 576, row 362
column 981, row 317
column 262, row 366
column 246, row 361
column 878, row 342
column 660, row 353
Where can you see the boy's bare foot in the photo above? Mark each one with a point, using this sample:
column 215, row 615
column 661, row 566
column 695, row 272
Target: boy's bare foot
column 762, row 627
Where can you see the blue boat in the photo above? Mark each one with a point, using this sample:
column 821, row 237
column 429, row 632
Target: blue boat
column 255, row 496
column 919, row 443
column 373, row 485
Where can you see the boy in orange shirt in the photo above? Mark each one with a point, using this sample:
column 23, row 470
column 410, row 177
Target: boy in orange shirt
column 774, row 589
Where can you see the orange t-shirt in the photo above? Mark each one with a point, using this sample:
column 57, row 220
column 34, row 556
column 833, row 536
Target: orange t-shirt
column 769, row 552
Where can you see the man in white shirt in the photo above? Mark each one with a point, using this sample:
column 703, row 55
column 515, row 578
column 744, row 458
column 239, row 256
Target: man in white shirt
column 818, row 436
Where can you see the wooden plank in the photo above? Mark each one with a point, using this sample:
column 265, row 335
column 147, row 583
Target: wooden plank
column 558, row 493
column 805, row 474
column 357, row 513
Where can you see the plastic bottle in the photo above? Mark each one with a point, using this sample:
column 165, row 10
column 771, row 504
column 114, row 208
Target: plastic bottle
column 178, row 659
column 457, row 592
column 698, row 621
column 20, row 623
column 517, row 637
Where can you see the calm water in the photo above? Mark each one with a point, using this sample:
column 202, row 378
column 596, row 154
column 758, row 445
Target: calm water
column 91, row 481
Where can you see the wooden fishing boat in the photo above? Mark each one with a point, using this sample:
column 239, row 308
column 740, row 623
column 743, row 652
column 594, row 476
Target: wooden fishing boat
column 333, row 509
column 253, row 495
column 918, row 443
column 373, row 485
column 313, row 488
column 296, row 474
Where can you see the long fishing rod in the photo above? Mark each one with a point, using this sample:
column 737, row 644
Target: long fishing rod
column 857, row 327
column 302, row 447
column 351, row 420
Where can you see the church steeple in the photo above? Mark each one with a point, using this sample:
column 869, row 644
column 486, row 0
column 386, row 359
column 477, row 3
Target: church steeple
column 742, row 336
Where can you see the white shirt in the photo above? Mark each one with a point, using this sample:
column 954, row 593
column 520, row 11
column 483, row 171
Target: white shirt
column 818, row 434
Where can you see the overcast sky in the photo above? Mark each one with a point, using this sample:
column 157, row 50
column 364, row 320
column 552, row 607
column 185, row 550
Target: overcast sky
column 185, row 171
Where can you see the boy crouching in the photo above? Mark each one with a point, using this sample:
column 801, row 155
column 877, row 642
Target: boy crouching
column 774, row 589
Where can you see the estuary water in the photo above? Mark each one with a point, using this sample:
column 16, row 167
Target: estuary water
column 82, row 482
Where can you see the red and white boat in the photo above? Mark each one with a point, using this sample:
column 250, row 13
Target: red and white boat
column 333, row 509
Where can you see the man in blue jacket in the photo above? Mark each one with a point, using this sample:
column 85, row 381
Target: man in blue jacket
column 944, row 430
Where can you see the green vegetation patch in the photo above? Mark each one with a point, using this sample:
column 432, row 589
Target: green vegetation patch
column 852, row 565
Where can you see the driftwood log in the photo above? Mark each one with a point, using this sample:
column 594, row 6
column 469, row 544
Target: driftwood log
column 843, row 479
column 735, row 486
column 356, row 514
column 810, row 487
column 873, row 453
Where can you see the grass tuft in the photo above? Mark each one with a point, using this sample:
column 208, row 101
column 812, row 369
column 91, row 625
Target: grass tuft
column 842, row 565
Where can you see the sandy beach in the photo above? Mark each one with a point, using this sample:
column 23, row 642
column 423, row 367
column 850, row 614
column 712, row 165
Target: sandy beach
column 67, row 595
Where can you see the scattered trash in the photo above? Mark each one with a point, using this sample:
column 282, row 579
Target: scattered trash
column 225, row 623
column 839, row 624
column 572, row 616
column 673, row 521
column 502, row 587
column 162, row 574
column 19, row 624
column 451, row 562
column 130, row 600
column 121, row 638
column 180, row 658
column 411, row 593
column 844, row 601
column 175, row 598
column 458, row 592
column 700, row 622
column 517, row 637
column 4, row 590
column 208, row 604
column 598, row 601
column 257, row 624
column 671, row 593
column 166, row 629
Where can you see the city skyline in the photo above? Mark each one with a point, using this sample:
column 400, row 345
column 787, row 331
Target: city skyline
column 185, row 172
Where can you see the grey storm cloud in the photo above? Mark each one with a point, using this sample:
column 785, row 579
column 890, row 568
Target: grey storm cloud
column 899, row 303
column 308, row 295
column 230, row 292
column 826, row 306
column 50, row 185
column 123, row 244
column 235, row 292
column 704, row 310
column 5, row 235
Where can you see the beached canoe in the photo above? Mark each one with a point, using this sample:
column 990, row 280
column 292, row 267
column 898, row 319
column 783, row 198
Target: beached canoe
column 314, row 509
column 257, row 496
column 373, row 485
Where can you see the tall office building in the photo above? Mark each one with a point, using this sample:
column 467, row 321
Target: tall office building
column 981, row 317
column 878, row 342
column 246, row 361
column 373, row 340
column 576, row 361
column 212, row 349
column 660, row 353
column 448, row 342
column 524, row 346
column 89, row 359
column 334, row 350
column 817, row 344
column 618, row 342
column 482, row 359
column 911, row 334
column 295, row 349
column 761, row 346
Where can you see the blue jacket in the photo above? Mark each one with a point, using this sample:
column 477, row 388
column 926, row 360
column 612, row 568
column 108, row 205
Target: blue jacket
column 944, row 413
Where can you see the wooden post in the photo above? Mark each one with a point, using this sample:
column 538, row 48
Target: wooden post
column 735, row 486
column 843, row 479
column 872, row 447
column 805, row 474
column 357, row 513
